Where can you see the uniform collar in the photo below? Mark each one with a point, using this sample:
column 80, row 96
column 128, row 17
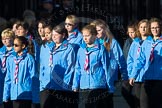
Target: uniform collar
column 74, row 33
column 63, row 46
column 4, row 50
column 95, row 47
column 25, row 51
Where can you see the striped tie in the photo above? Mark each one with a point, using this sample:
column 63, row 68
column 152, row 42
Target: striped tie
column 4, row 61
column 138, row 50
column 51, row 58
column 16, row 70
column 152, row 52
column 86, row 65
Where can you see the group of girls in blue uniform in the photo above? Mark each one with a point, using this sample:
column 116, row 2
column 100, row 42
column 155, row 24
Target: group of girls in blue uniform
column 70, row 69
column 19, row 80
column 143, row 65
column 69, row 65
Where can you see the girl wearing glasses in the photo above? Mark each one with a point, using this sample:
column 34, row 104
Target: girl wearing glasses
column 150, row 58
column 7, row 40
column 74, row 36
column 19, row 86
column 23, row 30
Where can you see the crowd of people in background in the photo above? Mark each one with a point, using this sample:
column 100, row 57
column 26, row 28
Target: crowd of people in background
column 54, row 64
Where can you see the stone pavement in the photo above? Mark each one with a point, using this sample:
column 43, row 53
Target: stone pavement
column 119, row 101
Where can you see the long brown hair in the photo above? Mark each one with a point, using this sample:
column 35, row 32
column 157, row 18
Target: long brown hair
column 148, row 30
column 107, row 33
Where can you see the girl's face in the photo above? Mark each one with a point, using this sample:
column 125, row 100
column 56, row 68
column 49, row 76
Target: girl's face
column 57, row 38
column 88, row 37
column 99, row 32
column 48, row 34
column 7, row 41
column 69, row 25
column 21, row 31
column 155, row 29
column 143, row 28
column 40, row 29
column 131, row 33
column 14, row 29
column 18, row 46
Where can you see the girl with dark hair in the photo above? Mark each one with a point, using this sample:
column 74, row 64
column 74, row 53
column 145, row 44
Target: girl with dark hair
column 19, row 86
column 23, row 30
column 56, row 77
column 127, row 89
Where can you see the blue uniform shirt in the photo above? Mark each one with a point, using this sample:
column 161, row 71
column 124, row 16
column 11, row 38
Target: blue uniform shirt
column 133, row 54
column 3, row 53
column 97, row 76
column 117, row 61
column 152, row 69
column 59, row 74
column 75, row 39
column 1, row 84
column 24, row 89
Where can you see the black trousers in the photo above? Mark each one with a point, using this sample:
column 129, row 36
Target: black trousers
column 8, row 104
column 96, row 98
column 22, row 103
column 58, row 99
column 141, row 99
column 154, row 92
column 1, row 106
column 128, row 94
column 35, row 105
